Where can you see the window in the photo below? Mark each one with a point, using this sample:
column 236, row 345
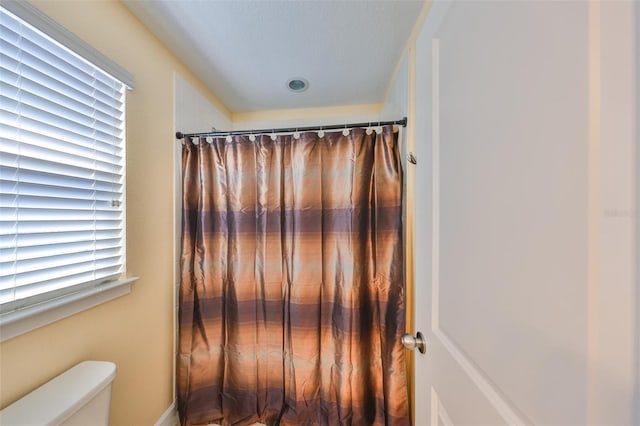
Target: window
column 62, row 129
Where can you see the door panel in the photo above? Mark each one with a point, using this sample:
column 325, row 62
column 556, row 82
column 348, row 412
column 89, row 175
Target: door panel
column 517, row 163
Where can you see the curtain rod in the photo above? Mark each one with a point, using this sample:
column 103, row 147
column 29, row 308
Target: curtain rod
column 403, row 123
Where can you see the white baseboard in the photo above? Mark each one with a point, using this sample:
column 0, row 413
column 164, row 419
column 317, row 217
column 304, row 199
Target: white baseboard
column 169, row 417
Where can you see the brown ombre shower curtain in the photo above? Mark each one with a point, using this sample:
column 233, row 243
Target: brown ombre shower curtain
column 292, row 297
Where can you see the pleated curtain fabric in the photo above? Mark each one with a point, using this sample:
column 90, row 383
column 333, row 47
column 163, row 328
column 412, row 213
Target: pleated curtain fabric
column 292, row 294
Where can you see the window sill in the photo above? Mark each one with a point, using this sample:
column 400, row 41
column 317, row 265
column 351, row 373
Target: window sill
column 21, row 321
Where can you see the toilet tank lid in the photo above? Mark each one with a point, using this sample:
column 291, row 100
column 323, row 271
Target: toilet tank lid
column 57, row 399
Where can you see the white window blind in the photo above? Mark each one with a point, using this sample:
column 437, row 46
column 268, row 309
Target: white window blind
column 61, row 168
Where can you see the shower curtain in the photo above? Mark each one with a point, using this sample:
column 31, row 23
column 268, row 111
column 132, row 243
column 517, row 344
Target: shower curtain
column 291, row 296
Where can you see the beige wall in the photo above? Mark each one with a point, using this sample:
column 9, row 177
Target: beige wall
column 134, row 331
column 302, row 117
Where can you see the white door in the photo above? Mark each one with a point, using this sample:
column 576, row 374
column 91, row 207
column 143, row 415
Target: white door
column 525, row 236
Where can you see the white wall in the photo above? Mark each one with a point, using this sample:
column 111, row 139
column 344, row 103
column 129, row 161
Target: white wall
column 193, row 113
column 396, row 105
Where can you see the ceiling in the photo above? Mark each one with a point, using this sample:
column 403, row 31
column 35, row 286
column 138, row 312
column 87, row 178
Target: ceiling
column 246, row 51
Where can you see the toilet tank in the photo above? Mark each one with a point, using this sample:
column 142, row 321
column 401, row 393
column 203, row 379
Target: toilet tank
column 79, row 396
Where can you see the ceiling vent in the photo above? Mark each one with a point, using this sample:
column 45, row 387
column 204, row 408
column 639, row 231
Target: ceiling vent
column 297, row 84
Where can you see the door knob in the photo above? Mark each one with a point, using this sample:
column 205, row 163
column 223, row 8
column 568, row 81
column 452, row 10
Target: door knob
column 418, row 342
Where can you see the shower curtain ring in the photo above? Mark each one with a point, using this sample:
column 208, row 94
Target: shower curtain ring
column 369, row 129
